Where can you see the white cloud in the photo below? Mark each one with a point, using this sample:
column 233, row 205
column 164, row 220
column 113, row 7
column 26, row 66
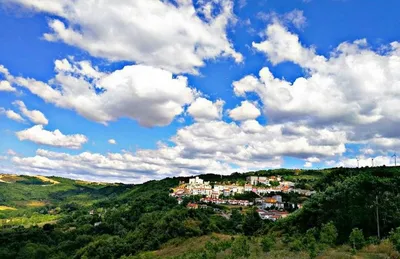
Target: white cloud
column 55, row 138
column 6, row 86
column 112, row 142
column 149, row 95
column 366, row 161
column 281, row 45
column 12, row 115
column 295, row 17
column 242, row 3
column 310, row 161
column 203, row 147
column 246, row 111
column 355, row 89
column 313, row 160
column 34, row 116
column 155, row 33
column 204, row 110
column 308, row 164
column 11, row 152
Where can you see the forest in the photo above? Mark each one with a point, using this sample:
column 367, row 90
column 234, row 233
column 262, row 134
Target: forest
column 75, row 219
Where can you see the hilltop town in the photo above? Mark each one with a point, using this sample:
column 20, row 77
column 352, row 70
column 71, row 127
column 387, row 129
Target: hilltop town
column 266, row 193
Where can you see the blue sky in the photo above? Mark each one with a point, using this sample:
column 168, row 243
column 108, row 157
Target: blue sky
column 103, row 92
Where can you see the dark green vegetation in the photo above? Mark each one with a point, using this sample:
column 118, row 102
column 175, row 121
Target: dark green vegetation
column 83, row 220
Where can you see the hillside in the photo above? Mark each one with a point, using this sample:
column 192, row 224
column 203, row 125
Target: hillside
column 64, row 218
column 26, row 200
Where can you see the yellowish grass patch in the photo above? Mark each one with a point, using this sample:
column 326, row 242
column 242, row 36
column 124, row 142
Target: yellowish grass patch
column 10, row 178
column 6, row 208
column 35, row 204
column 45, row 179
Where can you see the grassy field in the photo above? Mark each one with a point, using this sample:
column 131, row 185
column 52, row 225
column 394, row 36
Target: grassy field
column 36, row 219
column 180, row 248
column 36, row 200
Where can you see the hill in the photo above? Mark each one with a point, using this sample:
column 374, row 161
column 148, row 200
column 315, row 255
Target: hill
column 75, row 219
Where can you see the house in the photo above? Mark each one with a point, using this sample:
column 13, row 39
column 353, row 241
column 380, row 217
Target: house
column 227, row 192
column 248, row 187
column 253, row 180
column 194, row 206
column 263, row 180
column 273, row 202
column 196, row 181
column 179, row 200
column 215, row 194
column 272, row 214
column 262, row 214
column 278, row 198
column 203, row 206
column 287, row 184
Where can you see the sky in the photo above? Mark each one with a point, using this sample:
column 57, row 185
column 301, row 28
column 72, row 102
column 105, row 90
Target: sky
column 135, row 90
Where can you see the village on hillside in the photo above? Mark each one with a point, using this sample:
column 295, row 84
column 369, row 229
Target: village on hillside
column 266, row 192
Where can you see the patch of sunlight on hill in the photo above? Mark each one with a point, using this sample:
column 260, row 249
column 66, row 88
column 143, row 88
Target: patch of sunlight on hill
column 35, row 204
column 45, row 179
column 10, row 178
column 6, row 208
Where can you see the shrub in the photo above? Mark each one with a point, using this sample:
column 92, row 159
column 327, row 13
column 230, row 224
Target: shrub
column 267, row 243
column 356, row 238
column 328, row 234
column 241, row 247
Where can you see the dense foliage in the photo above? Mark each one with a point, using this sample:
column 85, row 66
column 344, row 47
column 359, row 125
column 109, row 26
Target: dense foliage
column 112, row 221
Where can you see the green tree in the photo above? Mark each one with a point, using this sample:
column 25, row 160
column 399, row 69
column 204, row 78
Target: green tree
column 267, row 243
column 252, row 223
column 34, row 251
column 241, row 247
column 356, row 238
column 328, row 234
column 274, row 183
column 237, row 220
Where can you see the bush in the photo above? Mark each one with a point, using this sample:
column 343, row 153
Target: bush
column 395, row 238
column 241, row 247
column 296, row 245
column 356, row 238
column 328, row 234
column 311, row 242
column 267, row 243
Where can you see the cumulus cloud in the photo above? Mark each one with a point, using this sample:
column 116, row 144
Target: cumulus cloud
column 6, row 86
column 34, row 116
column 203, row 110
column 308, row 164
column 203, row 147
column 11, row 152
column 310, row 161
column 355, row 89
column 12, row 115
column 174, row 36
column 366, row 161
column 152, row 96
column 112, row 142
column 55, row 138
column 295, row 17
column 246, row 111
